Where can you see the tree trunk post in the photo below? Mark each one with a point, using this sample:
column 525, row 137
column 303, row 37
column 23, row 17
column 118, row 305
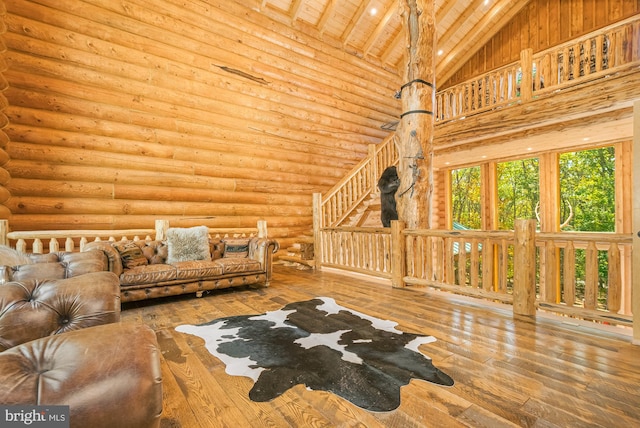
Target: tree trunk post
column 524, row 268
column 635, row 268
column 317, row 231
column 414, row 197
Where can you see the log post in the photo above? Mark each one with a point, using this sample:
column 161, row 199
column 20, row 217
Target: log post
column 635, row 281
column 4, row 229
column 317, row 227
column 398, row 263
column 262, row 229
column 161, row 229
column 526, row 81
column 414, row 198
column 524, row 268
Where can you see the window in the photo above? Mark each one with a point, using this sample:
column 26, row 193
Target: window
column 465, row 194
column 518, row 191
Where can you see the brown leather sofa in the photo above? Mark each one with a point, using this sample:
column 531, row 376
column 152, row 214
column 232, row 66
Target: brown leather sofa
column 61, row 343
column 156, row 276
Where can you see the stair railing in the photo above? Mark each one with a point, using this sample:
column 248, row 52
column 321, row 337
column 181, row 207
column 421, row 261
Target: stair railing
column 337, row 204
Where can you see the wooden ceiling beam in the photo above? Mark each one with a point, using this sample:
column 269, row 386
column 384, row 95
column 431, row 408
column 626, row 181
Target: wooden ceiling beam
column 294, row 10
column 348, row 32
column 326, row 15
column 379, row 29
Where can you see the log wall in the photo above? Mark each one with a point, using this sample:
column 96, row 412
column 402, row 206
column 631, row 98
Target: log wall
column 540, row 25
column 199, row 112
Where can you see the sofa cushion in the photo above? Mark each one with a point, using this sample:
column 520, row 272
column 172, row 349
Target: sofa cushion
column 59, row 265
column 197, row 269
column 236, row 247
column 130, row 254
column 148, row 274
column 238, row 264
column 186, row 244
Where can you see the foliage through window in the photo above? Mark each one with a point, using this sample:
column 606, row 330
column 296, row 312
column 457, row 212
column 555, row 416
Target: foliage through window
column 465, row 194
column 518, row 191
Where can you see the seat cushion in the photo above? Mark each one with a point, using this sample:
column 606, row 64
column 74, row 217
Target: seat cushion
column 148, row 275
column 238, row 265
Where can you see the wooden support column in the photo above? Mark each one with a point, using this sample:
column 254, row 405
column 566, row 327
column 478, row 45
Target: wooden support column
column 635, row 292
column 549, row 210
column 414, row 198
column 317, row 229
column 398, row 262
column 524, row 268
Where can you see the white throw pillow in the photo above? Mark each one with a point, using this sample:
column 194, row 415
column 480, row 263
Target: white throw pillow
column 186, row 244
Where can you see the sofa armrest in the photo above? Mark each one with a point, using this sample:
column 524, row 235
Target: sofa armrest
column 109, row 376
column 262, row 250
column 36, row 308
column 114, row 262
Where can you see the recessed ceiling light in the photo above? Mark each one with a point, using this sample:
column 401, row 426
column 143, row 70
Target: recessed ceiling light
column 373, row 11
column 486, row 2
column 529, row 148
column 585, row 139
column 440, row 52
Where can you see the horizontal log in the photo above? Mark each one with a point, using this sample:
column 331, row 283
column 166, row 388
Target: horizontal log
column 5, row 175
column 55, row 222
column 43, row 205
column 57, row 188
column 125, row 164
column 41, row 170
column 73, row 189
column 5, row 194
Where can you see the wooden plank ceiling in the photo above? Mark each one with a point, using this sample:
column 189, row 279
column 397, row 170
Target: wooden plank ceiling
column 372, row 28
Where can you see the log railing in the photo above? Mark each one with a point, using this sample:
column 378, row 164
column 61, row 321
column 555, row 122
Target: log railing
column 357, row 249
column 483, row 264
column 39, row 241
column 592, row 56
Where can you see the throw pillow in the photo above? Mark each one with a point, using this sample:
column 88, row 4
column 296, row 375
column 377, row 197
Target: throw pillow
column 130, row 254
column 186, row 244
column 236, row 247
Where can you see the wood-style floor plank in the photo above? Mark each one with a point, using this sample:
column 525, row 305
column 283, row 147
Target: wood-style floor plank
column 509, row 371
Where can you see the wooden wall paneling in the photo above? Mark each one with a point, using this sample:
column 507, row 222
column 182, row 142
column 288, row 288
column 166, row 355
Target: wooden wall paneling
column 200, row 112
column 577, row 17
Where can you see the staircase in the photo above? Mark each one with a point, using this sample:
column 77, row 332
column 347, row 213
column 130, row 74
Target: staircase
column 353, row 202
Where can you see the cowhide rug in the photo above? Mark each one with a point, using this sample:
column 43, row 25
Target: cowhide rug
column 323, row 346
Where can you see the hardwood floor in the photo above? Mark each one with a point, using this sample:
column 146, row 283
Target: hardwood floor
column 508, row 371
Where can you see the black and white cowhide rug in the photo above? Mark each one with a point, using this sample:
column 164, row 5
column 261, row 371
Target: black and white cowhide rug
column 324, row 346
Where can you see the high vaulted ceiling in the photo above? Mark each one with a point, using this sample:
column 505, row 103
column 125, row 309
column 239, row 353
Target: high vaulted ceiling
column 463, row 26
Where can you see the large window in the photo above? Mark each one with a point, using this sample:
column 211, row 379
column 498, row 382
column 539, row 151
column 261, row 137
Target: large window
column 518, row 191
column 465, row 192
column 587, row 190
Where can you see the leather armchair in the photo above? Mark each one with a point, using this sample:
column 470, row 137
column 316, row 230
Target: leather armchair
column 62, row 344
